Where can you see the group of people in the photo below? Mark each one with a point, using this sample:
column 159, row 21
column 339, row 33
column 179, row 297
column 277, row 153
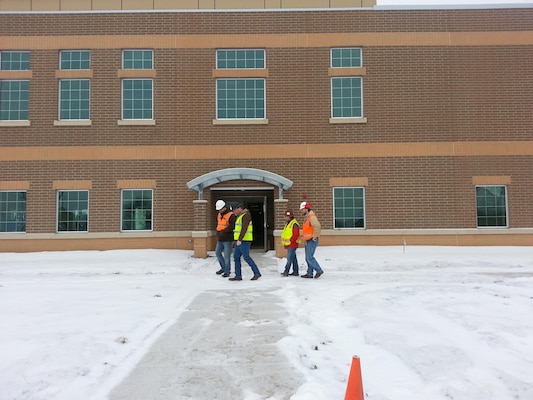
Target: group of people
column 235, row 231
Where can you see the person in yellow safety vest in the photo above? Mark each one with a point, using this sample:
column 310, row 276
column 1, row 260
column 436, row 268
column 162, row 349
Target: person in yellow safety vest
column 290, row 238
column 225, row 226
column 243, row 236
column 310, row 233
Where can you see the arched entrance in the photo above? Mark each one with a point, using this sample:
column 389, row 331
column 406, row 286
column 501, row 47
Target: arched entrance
column 261, row 201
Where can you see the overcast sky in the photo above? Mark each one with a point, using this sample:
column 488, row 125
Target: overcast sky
column 436, row 2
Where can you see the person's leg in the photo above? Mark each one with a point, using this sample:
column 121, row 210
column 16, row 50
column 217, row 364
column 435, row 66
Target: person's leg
column 227, row 257
column 237, row 259
column 218, row 252
column 245, row 249
column 293, row 260
column 288, row 264
column 311, row 260
column 309, row 249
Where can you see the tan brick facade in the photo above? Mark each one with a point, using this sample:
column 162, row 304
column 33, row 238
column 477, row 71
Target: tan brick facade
column 447, row 106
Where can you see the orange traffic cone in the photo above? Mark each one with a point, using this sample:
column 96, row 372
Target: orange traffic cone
column 354, row 391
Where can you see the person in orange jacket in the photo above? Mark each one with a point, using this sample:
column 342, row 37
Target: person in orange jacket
column 310, row 234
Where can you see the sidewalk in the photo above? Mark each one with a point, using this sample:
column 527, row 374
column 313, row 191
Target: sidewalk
column 222, row 347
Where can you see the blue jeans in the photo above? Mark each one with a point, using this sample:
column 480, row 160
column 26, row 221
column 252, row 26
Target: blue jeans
column 291, row 260
column 312, row 263
column 224, row 259
column 244, row 251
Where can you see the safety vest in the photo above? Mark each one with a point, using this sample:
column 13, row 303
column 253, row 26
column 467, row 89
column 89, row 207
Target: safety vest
column 223, row 221
column 286, row 235
column 307, row 229
column 248, row 236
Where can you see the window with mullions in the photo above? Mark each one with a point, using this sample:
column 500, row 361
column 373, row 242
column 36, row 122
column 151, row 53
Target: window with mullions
column 138, row 59
column 491, row 204
column 240, row 98
column 240, row 59
column 12, row 211
column 347, row 97
column 346, row 57
column 137, row 99
column 137, row 209
column 78, row 59
column 349, row 207
column 74, row 95
column 14, row 60
column 72, row 210
column 14, row 100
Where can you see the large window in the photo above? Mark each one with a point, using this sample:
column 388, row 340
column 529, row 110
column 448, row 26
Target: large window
column 137, row 99
column 14, row 100
column 14, row 60
column 72, row 210
column 138, row 94
column 74, row 99
column 14, row 94
column 12, row 211
column 240, row 98
column 347, row 97
column 137, row 209
column 74, row 94
column 491, row 206
column 349, row 207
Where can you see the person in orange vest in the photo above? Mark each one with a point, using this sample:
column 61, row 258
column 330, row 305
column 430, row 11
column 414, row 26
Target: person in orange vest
column 225, row 226
column 290, row 238
column 310, row 234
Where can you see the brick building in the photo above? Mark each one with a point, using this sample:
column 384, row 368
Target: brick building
column 123, row 121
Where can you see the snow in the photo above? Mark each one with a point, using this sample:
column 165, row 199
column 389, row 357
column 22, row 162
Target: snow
column 428, row 323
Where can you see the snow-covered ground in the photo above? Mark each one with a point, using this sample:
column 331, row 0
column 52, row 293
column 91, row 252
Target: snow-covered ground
column 428, row 323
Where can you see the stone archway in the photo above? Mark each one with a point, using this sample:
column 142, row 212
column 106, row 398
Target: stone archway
column 202, row 224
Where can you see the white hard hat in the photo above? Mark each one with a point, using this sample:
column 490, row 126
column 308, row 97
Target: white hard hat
column 219, row 205
column 305, row 204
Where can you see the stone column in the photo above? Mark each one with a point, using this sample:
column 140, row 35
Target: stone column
column 200, row 234
column 280, row 206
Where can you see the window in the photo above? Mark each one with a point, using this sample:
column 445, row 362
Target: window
column 241, row 98
column 491, row 206
column 349, row 207
column 346, row 58
column 80, row 59
column 137, row 99
column 240, row 59
column 137, row 209
column 74, row 95
column 14, row 60
column 138, row 59
column 12, row 211
column 347, row 97
column 72, row 210
column 14, row 100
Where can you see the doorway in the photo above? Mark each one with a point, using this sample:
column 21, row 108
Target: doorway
column 257, row 202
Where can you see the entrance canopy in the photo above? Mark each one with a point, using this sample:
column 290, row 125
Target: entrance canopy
column 230, row 174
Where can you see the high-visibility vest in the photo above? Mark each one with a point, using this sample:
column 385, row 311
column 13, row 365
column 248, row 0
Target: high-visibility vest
column 223, row 221
column 307, row 229
column 248, row 236
column 286, row 235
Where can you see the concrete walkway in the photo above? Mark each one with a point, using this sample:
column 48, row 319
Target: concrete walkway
column 222, row 347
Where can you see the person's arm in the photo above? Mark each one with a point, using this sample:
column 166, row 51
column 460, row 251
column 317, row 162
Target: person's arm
column 316, row 227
